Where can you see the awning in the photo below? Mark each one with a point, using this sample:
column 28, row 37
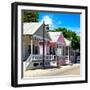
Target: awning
column 53, row 44
column 47, row 43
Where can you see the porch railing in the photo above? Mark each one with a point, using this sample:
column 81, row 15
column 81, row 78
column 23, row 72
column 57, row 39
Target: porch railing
column 46, row 57
column 39, row 57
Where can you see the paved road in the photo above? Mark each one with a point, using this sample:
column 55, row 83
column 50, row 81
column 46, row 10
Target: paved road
column 64, row 70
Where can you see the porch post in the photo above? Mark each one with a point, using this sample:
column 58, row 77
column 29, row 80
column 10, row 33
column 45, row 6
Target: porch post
column 31, row 46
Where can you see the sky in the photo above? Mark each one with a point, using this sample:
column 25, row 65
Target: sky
column 70, row 21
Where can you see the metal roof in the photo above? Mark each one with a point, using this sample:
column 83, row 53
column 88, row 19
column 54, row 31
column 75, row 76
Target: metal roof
column 54, row 35
column 30, row 28
column 67, row 42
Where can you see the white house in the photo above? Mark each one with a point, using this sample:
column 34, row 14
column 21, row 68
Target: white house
column 33, row 45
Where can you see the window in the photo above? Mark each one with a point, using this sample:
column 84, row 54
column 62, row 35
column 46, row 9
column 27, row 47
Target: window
column 52, row 50
column 59, row 51
column 66, row 50
column 35, row 49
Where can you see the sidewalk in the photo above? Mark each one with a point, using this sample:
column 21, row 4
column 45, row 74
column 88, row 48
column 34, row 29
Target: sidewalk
column 63, row 70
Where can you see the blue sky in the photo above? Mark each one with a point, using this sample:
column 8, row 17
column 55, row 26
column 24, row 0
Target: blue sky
column 67, row 20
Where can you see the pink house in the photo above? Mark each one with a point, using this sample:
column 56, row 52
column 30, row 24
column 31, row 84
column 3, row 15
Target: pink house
column 60, row 47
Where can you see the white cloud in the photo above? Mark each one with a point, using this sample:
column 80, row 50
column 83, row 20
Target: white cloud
column 47, row 20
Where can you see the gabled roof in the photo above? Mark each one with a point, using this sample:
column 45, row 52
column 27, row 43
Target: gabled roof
column 54, row 35
column 67, row 42
column 30, row 28
column 35, row 29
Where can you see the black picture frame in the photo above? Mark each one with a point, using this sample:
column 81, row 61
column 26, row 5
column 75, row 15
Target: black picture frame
column 14, row 43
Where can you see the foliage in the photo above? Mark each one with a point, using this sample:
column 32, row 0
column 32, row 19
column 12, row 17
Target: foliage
column 70, row 35
column 30, row 16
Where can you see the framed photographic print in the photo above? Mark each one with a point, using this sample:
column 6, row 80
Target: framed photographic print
column 49, row 44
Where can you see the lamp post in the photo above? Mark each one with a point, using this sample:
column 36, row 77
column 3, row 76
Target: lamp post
column 47, row 27
column 43, row 46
